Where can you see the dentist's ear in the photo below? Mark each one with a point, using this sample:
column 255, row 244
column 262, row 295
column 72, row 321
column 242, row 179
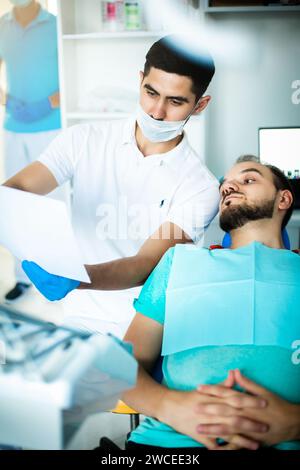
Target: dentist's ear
column 202, row 104
column 141, row 77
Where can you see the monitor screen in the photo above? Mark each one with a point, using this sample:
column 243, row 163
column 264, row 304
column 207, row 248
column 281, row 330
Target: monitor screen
column 281, row 147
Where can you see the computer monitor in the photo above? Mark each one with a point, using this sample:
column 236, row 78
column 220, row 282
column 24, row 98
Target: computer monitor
column 280, row 146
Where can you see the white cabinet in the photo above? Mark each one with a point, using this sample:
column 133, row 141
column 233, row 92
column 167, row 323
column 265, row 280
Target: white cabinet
column 91, row 59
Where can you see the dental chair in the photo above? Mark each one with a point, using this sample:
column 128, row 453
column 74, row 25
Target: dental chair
column 226, row 243
column 107, row 444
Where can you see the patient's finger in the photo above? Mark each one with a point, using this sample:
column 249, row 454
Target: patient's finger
column 230, row 380
column 217, row 409
column 248, row 385
column 232, row 397
column 210, row 443
column 231, row 425
column 237, row 442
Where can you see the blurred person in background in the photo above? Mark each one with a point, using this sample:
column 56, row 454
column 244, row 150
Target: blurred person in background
column 28, row 48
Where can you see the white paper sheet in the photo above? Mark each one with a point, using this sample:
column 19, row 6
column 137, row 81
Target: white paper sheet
column 38, row 228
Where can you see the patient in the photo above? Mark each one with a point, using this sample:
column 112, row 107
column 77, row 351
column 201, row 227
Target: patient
column 226, row 322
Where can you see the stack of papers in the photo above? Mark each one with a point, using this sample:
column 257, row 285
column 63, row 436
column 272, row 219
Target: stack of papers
column 38, row 228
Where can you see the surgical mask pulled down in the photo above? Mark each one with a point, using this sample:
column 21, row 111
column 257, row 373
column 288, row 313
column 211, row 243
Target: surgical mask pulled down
column 160, row 131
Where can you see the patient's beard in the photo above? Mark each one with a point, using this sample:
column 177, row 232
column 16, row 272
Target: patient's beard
column 236, row 216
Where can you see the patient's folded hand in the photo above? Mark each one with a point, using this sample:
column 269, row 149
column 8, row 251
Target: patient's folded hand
column 184, row 411
column 281, row 416
column 280, row 419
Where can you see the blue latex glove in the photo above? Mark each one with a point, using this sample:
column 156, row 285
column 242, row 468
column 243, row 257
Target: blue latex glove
column 28, row 112
column 52, row 287
column 14, row 105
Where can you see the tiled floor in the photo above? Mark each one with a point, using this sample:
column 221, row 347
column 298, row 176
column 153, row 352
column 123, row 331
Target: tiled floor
column 103, row 424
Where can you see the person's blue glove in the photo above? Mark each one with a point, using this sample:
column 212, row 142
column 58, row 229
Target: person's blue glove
column 14, row 106
column 28, row 112
column 52, row 287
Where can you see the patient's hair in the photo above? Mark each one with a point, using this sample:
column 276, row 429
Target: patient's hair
column 281, row 182
column 165, row 55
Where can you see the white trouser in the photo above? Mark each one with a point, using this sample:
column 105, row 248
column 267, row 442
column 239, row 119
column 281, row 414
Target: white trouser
column 19, row 151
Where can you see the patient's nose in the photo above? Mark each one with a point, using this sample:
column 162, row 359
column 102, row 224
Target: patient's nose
column 229, row 187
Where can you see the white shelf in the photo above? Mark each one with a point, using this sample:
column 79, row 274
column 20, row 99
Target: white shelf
column 81, row 115
column 253, row 9
column 114, row 35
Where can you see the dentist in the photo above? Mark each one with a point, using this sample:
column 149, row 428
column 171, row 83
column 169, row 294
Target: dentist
column 138, row 189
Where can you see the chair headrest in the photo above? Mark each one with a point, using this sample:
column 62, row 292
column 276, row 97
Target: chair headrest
column 226, row 243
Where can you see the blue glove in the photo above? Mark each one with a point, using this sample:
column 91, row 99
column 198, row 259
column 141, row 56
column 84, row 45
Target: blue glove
column 28, row 112
column 14, row 106
column 52, row 287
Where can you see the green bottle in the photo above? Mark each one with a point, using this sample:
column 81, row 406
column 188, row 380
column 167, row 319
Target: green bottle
column 132, row 15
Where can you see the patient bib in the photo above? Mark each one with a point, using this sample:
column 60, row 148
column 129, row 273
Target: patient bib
column 246, row 296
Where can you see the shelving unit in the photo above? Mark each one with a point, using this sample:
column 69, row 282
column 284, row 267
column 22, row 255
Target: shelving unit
column 116, row 35
column 89, row 57
column 250, row 9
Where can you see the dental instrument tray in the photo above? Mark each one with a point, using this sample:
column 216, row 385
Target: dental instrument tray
column 52, row 377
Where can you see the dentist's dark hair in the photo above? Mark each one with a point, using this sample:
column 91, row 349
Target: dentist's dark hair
column 281, row 182
column 169, row 55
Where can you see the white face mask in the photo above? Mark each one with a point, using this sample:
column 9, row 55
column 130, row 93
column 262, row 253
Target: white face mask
column 159, row 131
column 20, row 3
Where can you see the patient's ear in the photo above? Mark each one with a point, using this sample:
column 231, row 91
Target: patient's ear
column 286, row 199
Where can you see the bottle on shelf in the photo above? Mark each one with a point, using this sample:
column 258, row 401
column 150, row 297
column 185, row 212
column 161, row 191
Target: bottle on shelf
column 296, row 175
column 289, row 174
column 132, row 15
column 112, row 15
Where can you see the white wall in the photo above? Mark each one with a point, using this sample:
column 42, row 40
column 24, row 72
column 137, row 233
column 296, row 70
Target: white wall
column 254, row 95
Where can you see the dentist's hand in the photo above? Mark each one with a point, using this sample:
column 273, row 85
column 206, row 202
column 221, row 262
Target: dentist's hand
column 52, row 287
column 28, row 112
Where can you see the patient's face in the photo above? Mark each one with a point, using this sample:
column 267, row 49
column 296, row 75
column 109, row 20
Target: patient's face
column 247, row 193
